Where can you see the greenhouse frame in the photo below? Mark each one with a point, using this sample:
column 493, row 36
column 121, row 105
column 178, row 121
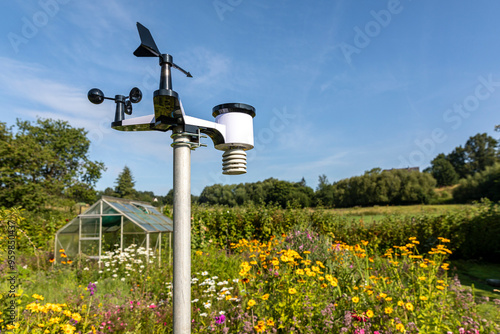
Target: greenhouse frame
column 110, row 224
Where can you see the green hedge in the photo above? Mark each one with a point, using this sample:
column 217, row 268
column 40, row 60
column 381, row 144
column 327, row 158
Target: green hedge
column 474, row 231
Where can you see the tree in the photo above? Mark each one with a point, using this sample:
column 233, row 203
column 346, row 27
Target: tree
column 46, row 163
column 458, row 159
column 125, row 184
column 481, row 152
column 484, row 184
column 442, row 170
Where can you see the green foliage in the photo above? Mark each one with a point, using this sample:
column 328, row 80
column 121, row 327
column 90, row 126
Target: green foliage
column 485, row 184
column 479, row 152
column 270, row 191
column 125, row 184
column 376, row 187
column 442, row 170
column 221, row 226
column 46, row 163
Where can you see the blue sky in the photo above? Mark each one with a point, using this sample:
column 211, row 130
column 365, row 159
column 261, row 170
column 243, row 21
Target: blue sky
column 340, row 87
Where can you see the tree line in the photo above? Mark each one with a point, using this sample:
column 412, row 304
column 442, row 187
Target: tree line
column 47, row 164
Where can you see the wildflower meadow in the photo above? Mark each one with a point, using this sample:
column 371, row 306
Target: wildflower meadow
column 302, row 281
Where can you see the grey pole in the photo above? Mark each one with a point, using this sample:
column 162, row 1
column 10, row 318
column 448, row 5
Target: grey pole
column 182, row 232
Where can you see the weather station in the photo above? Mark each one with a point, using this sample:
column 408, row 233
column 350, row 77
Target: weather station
column 232, row 132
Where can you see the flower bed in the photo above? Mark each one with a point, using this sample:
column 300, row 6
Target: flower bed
column 300, row 282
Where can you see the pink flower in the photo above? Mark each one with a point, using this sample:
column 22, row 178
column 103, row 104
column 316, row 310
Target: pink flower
column 461, row 331
column 152, row 306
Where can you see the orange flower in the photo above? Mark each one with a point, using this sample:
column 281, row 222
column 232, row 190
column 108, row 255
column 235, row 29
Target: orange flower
column 52, row 260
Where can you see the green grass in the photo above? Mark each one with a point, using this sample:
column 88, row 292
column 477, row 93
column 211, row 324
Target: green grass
column 377, row 213
column 474, row 275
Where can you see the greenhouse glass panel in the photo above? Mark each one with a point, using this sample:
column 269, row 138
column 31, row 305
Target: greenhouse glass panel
column 72, row 227
column 106, row 209
column 111, row 223
column 136, row 239
column 68, row 243
column 110, row 241
column 130, row 226
column 94, row 209
column 89, row 247
column 90, row 227
column 153, row 240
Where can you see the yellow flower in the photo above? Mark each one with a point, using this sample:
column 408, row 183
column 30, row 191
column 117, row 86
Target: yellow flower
column 388, row 310
column 409, row 306
column 292, row 291
column 439, row 287
column 251, row 303
column 76, row 317
column 55, row 320
column 355, row 300
column 401, row 303
column 37, row 296
column 315, row 268
column 299, row 272
column 270, row 322
column 68, row 329
column 400, row 327
column 319, row 263
column 369, row 314
column 261, row 326
column 265, row 297
column 285, row 258
column 382, row 295
column 275, row 262
column 307, row 252
column 422, row 278
column 15, row 326
column 424, row 298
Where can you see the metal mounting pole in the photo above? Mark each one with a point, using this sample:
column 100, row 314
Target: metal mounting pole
column 182, row 232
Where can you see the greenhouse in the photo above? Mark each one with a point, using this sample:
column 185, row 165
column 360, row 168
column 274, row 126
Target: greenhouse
column 113, row 223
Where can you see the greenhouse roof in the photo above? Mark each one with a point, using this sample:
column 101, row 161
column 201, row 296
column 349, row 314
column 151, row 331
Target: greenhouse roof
column 143, row 214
